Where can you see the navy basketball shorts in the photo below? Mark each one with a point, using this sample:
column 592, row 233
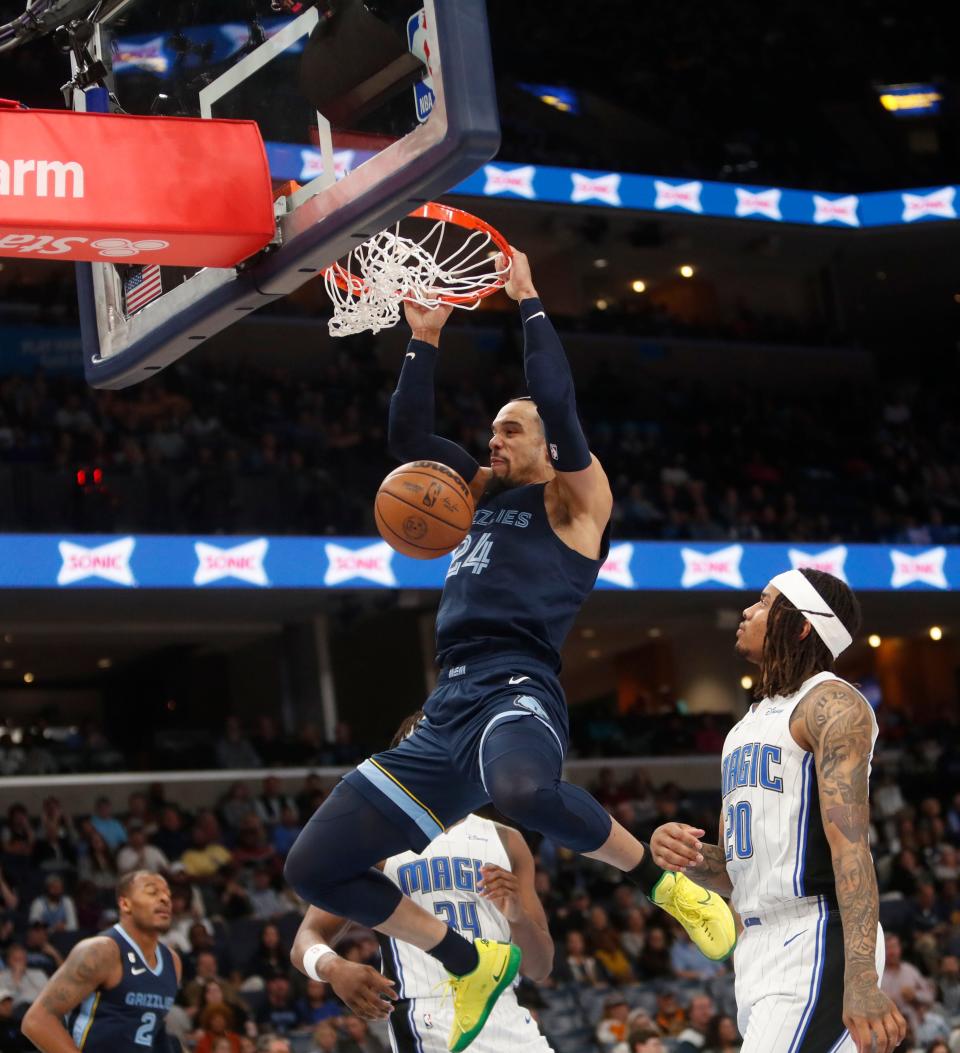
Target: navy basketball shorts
column 435, row 777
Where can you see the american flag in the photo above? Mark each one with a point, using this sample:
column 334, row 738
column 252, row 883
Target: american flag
column 141, row 287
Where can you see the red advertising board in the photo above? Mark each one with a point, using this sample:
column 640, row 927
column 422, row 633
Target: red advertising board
column 124, row 189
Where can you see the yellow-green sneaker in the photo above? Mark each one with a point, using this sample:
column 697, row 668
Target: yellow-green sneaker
column 706, row 917
column 476, row 993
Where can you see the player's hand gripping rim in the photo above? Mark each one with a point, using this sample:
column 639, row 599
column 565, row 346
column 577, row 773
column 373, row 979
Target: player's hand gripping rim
column 874, row 1022
column 676, row 846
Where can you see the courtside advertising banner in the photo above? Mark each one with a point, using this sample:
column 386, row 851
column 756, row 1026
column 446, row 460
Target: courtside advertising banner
column 149, row 561
column 110, row 188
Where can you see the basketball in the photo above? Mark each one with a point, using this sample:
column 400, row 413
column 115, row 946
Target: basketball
column 423, row 509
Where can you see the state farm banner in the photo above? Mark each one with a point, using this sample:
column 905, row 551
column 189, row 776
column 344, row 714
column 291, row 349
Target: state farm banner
column 111, row 188
column 51, row 561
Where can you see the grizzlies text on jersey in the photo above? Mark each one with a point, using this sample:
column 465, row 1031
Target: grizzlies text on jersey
column 513, row 585
column 127, row 1018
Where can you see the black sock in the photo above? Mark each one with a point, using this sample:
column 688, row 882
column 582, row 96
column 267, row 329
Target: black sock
column 455, row 954
column 646, row 873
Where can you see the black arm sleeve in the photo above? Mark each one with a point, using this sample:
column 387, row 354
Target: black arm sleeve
column 410, row 435
column 550, row 384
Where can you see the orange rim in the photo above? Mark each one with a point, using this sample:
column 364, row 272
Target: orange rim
column 351, row 283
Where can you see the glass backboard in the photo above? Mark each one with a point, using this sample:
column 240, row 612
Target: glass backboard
column 366, row 109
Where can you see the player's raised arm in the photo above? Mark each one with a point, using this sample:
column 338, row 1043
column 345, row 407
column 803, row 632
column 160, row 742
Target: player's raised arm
column 580, row 476
column 410, row 431
column 835, row 723
column 91, row 964
column 513, row 893
column 361, row 987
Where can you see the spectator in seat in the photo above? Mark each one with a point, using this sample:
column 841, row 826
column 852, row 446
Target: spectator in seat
column 55, row 846
column 270, row 1043
column 271, row 956
column 670, row 1017
column 54, row 908
column 97, row 862
column 207, row 973
column 578, row 966
column 236, row 806
column 266, row 901
column 107, row 825
column 310, row 797
column 948, row 982
column 645, row 1040
column 252, row 847
column 286, row 831
column 202, row 940
column 271, row 803
column 140, row 811
column 634, row 938
column 41, row 953
column 722, row 1035
column 325, row 1039
column 694, row 1036
column 268, row 743
column 10, row 1036
column 691, row 966
column 607, row 949
column 137, row 853
column 216, row 1023
column 234, row 750
column 318, row 1003
column 23, row 983
column 612, row 1027
column 904, row 984
column 655, row 959
column 17, row 837
column 279, row 1013
column 206, row 855
column 170, row 837
column 358, row 1038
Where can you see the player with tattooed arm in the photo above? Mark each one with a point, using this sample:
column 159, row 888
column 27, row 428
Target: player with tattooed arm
column 113, row 992
column 794, row 853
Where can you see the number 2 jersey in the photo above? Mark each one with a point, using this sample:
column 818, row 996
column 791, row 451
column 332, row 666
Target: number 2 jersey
column 773, row 838
column 513, row 587
column 129, row 1017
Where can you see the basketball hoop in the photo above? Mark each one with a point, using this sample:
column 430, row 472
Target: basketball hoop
column 454, row 262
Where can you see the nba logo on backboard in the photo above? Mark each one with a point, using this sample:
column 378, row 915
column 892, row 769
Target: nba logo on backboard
column 419, row 44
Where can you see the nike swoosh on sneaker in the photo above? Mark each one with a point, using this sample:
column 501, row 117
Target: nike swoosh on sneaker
column 792, row 938
column 707, row 900
column 496, row 976
column 517, row 679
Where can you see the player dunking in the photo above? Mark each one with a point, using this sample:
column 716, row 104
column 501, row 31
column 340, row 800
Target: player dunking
column 114, row 990
column 496, row 725
column 794, row 852
column 478, row 877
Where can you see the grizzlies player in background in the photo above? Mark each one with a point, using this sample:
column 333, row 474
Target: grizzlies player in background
column 495, row 728
column 114, row 991
column 794, row 852
column 477, row 876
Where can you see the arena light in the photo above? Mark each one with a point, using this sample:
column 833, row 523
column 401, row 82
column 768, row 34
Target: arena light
column 746, row 682
column 686, row 271
column 639, row 285
column 594, row 652
column 936, row 633
column 104, row 663
column 600, row 263
column 910, row 100
column 874, row 640
column 601, row 304
column 28, row 678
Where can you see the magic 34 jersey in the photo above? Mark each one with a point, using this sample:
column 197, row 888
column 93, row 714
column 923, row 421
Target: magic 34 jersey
column 776, row 849
column 443, row 880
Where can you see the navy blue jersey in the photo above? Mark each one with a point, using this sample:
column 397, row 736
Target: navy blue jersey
column 129, row 1017
column 513, row 586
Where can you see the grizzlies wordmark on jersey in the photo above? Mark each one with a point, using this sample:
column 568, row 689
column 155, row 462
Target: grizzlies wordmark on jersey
column 127, row 1018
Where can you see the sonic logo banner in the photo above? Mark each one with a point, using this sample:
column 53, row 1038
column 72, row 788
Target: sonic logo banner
column 149, row 561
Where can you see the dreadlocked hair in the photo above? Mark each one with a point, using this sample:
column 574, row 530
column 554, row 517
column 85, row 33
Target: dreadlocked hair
column 787, row 660
column 406, row 727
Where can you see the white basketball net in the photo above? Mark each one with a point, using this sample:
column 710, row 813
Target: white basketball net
column 389, row 268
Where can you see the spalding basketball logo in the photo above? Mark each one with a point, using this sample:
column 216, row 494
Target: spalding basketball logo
column 414, row 527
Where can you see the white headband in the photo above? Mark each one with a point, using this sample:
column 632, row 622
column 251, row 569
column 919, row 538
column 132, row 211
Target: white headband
column 800, row 591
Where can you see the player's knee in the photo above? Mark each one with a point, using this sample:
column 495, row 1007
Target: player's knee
column 521, row 800
column 305, row 871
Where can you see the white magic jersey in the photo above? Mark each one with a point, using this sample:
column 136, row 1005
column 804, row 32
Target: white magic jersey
column 776, row 850
column 443, row 880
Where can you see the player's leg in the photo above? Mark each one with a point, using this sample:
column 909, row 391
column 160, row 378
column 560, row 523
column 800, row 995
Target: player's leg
column 332, row 865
